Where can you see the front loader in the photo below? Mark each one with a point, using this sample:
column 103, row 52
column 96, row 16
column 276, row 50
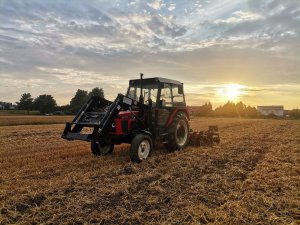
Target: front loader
column 153, row 110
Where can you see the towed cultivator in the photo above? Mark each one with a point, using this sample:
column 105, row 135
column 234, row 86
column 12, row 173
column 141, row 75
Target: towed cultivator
column 153, row 110
column 205, row 138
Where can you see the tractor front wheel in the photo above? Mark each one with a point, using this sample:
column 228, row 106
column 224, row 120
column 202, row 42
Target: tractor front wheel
column 101, row 149
column 141, row 147
column 178, row 133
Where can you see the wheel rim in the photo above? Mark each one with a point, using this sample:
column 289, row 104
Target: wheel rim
column 181, row 133
column 104, row 149
column 144, row 149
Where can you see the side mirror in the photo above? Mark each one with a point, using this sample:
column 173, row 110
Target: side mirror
column 180, row 89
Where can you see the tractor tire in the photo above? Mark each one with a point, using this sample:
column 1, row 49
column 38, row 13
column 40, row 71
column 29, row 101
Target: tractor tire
column 178, row 133
column 141, row 146
column 98, row 149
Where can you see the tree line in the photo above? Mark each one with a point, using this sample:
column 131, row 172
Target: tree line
column 47, row 104
column 295, row 113
column 229, row 109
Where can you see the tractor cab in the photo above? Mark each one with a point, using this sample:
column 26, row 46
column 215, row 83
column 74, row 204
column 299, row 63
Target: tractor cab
column 164, row 97
column 157, row 92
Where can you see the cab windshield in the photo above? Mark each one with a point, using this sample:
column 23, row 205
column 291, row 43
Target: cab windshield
column 150, row 92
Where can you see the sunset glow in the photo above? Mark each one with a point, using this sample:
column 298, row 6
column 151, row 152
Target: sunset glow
column 231, row 92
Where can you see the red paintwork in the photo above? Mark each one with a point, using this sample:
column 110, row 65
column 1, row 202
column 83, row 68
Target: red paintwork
column 127, row 115
column 118, row 126
column 124, row 115
column 172, row 115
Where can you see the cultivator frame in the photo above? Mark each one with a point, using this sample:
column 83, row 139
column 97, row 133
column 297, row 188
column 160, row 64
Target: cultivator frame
column 205, row 138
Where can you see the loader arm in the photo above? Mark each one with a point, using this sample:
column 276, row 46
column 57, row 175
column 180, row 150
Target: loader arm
column 99, row 120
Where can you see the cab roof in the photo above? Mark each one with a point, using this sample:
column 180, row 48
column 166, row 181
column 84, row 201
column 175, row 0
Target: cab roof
column 154, row 80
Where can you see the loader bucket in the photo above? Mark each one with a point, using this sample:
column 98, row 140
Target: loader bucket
column 92, row 114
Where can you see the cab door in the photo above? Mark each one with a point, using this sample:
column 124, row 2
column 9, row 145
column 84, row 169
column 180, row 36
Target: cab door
column 164, row 106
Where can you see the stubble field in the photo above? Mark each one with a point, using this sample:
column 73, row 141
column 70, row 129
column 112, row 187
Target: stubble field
column 251, row 177
column 12, row 120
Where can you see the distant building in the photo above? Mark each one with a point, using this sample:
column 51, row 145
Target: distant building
column 277, row 110
column 7, row 105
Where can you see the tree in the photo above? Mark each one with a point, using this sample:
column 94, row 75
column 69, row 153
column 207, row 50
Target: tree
column 240, row 109
column 97, row 92
column 231, row 109
column 295, row 113
column 78, row 100
column 44, row 103
column 82, row 96
column 209, row 108
column 205, row 110
column 228, row 110
column 25, row 102
column 63, row 108
column 251, row 112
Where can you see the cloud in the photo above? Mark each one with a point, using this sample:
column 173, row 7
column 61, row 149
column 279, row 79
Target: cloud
column 5, row 61
column 157, row 4
column 163, row 26
column 239, row 17
column 78, row 77
column 113, row 30
column 172, row 7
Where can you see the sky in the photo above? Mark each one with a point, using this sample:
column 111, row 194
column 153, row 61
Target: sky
column 221, row 50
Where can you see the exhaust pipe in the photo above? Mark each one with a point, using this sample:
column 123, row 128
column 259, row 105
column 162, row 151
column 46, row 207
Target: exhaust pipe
column 141, row 100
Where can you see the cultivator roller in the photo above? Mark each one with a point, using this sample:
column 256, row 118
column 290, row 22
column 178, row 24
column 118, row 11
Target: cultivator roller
column 205, row 138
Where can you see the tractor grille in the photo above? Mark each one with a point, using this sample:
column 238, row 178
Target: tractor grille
column 124, row 125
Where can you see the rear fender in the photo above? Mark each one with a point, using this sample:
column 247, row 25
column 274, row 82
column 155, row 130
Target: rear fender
column 146, row 132
column 174, row 113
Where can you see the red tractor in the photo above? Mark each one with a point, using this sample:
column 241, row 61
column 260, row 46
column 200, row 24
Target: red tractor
column 152, row 110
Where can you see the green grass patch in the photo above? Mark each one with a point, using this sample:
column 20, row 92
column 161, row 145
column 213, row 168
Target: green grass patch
column 19, row 112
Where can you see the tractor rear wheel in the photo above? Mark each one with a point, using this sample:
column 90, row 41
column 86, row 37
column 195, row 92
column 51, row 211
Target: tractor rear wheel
column 141, row 147
column 101, row 149
column 178, row 133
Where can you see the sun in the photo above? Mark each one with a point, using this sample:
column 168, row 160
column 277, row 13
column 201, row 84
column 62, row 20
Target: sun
column 230, row 92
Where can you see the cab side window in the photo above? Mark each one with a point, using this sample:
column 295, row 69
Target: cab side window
column 178, row 99
column 166, row 96
column 153, row 96
column 132, row 93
